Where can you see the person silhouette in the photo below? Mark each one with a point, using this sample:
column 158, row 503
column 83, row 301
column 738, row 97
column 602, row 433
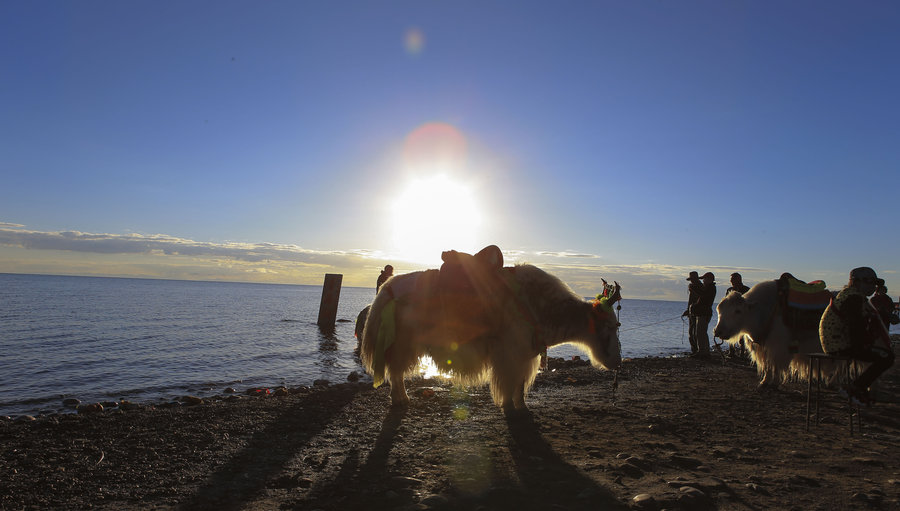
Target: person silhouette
column 694, row 289
column 386, row 273
column 703, row 310
column 883, row 303
column 851, row 327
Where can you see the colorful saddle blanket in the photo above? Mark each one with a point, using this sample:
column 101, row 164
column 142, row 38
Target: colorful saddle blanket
column 803, row 302
column 807, row 295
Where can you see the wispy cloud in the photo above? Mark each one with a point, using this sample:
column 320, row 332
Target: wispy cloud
column 169, row 245
column 566, row 254
column 165, row 256
column 646, row 280
column 161, row 255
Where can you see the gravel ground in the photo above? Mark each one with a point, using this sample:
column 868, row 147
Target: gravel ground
column 664, row 434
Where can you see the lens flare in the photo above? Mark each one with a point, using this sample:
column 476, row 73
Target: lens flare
column 435, row 146
column 414, row 41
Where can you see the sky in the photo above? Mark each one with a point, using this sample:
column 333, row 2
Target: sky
column 279, row 141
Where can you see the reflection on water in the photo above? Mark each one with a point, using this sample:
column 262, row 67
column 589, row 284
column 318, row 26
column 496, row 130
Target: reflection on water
column 329, row 349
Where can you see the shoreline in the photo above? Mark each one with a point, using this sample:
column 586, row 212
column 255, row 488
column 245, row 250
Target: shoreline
column 76, row 406
column 207, row 394
column 665, row 433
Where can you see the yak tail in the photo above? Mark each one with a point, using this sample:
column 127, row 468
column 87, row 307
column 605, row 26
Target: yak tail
column 373, row 325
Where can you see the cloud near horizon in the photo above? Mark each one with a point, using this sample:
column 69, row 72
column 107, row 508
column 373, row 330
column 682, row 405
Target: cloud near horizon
column 133, row 243
column 164, row 256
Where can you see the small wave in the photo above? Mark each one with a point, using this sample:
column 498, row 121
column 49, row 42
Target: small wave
column 30, row 401
column 51, row 337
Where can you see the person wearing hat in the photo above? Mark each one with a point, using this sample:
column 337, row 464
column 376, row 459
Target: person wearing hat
column 850, row 327
column 703, row 310
column 386, row 273
column 737, row 285
column 694, row 289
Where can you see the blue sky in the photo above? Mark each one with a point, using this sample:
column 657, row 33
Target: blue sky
column 278, row 141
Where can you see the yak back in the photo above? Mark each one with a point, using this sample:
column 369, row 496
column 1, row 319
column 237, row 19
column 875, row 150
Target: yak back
column 462, row 272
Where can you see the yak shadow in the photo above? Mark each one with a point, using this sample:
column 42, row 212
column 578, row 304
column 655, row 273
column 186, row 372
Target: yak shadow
column 544, row 479
column 546, row 476
column 246, row 475
column 377, row 460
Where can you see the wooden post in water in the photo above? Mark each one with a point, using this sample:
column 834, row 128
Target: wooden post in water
column 331, row 293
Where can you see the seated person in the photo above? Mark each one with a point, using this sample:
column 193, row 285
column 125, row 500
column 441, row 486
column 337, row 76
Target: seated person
column 851, row 327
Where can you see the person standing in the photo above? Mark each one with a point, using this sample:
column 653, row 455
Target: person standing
column 386, row 273
column 694, row 289
column 703, row 310
column 850, row 327
column 737, row 285
column 883, row 303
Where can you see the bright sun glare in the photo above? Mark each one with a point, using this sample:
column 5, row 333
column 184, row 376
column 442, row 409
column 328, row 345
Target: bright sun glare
column 432, row 215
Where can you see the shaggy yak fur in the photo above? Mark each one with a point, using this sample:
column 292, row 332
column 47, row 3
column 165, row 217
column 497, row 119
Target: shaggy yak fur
column 757, row 315
column 494, row 332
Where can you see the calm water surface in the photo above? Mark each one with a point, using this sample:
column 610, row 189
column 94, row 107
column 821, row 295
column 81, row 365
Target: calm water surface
column 144, row 340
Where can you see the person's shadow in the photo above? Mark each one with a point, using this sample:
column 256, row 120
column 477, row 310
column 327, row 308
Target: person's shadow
column 246, row 474
column 545, row 476
column 372, row 471
column 544, row 479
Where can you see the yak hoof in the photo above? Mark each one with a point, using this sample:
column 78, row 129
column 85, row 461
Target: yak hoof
column 400, row 401
column 766, row 387
column 513, row 413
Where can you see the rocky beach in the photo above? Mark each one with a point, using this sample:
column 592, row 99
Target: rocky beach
column 665, row 433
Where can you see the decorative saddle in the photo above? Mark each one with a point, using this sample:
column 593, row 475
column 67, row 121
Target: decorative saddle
column 803, row 302
column 460, row 269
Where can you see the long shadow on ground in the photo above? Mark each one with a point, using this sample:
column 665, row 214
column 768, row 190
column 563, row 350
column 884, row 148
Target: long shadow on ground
column 547, row 477
column 245, row 476
column 334, row 494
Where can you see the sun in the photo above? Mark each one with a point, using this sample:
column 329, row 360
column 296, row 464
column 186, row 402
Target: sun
column 434, row 214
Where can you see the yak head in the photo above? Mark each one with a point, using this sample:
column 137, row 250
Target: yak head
column 734, row 316
column 604, row 345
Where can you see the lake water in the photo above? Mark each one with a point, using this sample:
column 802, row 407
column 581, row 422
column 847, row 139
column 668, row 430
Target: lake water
column 103, row 339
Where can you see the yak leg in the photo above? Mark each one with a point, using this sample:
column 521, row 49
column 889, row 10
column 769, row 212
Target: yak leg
column 766, row 381
column 508, row 385
column 518, row 399
column 769, row 380
column 398, row 389
column 514, row 370
column 512, row 395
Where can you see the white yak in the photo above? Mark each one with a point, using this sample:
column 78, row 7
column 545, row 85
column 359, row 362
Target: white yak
column 778, row 350
column 494, row 333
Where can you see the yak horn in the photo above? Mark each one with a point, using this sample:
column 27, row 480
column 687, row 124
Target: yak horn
column 617, row 294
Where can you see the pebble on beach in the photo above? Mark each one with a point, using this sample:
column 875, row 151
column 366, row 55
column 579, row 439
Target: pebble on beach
column 91, row 408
